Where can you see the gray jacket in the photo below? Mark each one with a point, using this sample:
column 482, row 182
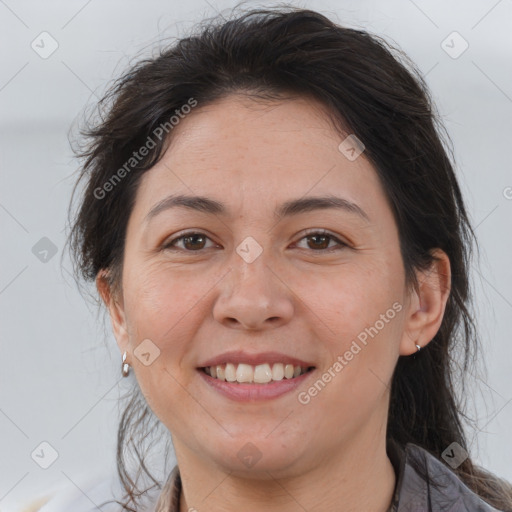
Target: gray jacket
column 413, row 493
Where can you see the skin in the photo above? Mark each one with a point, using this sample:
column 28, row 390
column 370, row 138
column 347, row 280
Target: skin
column 293, row 299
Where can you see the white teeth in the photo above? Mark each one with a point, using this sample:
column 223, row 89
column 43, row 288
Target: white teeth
column 230, row 372
column 260, row 374
column 278, row 371
column 244, row 373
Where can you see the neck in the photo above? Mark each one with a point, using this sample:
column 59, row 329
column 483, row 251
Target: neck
column 361, row 478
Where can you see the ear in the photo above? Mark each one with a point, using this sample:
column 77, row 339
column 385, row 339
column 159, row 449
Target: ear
column 115, row 306
column 427, row 304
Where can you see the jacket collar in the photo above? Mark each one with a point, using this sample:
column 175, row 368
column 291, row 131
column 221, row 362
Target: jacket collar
column 423, row 484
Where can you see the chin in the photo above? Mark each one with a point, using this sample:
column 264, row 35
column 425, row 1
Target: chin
column 258, row 458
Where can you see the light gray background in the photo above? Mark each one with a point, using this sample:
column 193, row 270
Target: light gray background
column 60, row 369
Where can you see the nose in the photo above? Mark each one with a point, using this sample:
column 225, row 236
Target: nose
column 253, row 297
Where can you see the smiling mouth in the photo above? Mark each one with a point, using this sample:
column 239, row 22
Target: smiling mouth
column 255, row 374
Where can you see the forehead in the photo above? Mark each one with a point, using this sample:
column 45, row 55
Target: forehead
column 254, row 154
column 249, row 126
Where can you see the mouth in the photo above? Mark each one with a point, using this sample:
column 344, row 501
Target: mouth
column 261, row 377
column 261, row 374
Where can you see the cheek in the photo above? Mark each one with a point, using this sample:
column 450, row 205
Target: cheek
column 160, row 307
column 159, row 299
column 167, row 307
column 361, row 313
column 349, row 298
column 365, row 322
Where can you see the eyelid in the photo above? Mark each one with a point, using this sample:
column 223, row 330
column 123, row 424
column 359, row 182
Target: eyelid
column 322, row 231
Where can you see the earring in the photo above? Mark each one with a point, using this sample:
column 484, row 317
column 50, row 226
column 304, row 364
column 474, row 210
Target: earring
column 125, row 366
column 418, row 347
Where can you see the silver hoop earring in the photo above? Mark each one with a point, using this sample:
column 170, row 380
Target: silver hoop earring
column 418, row 347
column 125, row 366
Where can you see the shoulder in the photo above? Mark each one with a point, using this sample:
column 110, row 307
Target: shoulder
column 99, row 492
column 427, row 477
column 36, row 504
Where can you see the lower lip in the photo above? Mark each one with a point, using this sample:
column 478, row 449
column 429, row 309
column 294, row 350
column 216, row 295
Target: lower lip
column 254, row 392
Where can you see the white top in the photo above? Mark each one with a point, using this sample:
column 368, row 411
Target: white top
column 88, row 498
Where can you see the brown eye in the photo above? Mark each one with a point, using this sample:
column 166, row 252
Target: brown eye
column 192, row 242
column 319, row 241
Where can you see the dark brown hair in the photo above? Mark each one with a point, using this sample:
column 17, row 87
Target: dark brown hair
column 371, row 89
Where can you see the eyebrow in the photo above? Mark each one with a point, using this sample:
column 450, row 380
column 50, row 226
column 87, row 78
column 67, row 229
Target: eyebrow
column 287, row 209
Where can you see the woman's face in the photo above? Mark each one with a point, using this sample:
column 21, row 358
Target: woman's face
column 256, row 287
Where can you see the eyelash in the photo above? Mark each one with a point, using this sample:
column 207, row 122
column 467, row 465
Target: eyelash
column 341, row 245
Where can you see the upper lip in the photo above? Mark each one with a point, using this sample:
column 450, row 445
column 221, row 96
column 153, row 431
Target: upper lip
column 239, row 356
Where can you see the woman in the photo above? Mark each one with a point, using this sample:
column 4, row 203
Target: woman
column 275, row 227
